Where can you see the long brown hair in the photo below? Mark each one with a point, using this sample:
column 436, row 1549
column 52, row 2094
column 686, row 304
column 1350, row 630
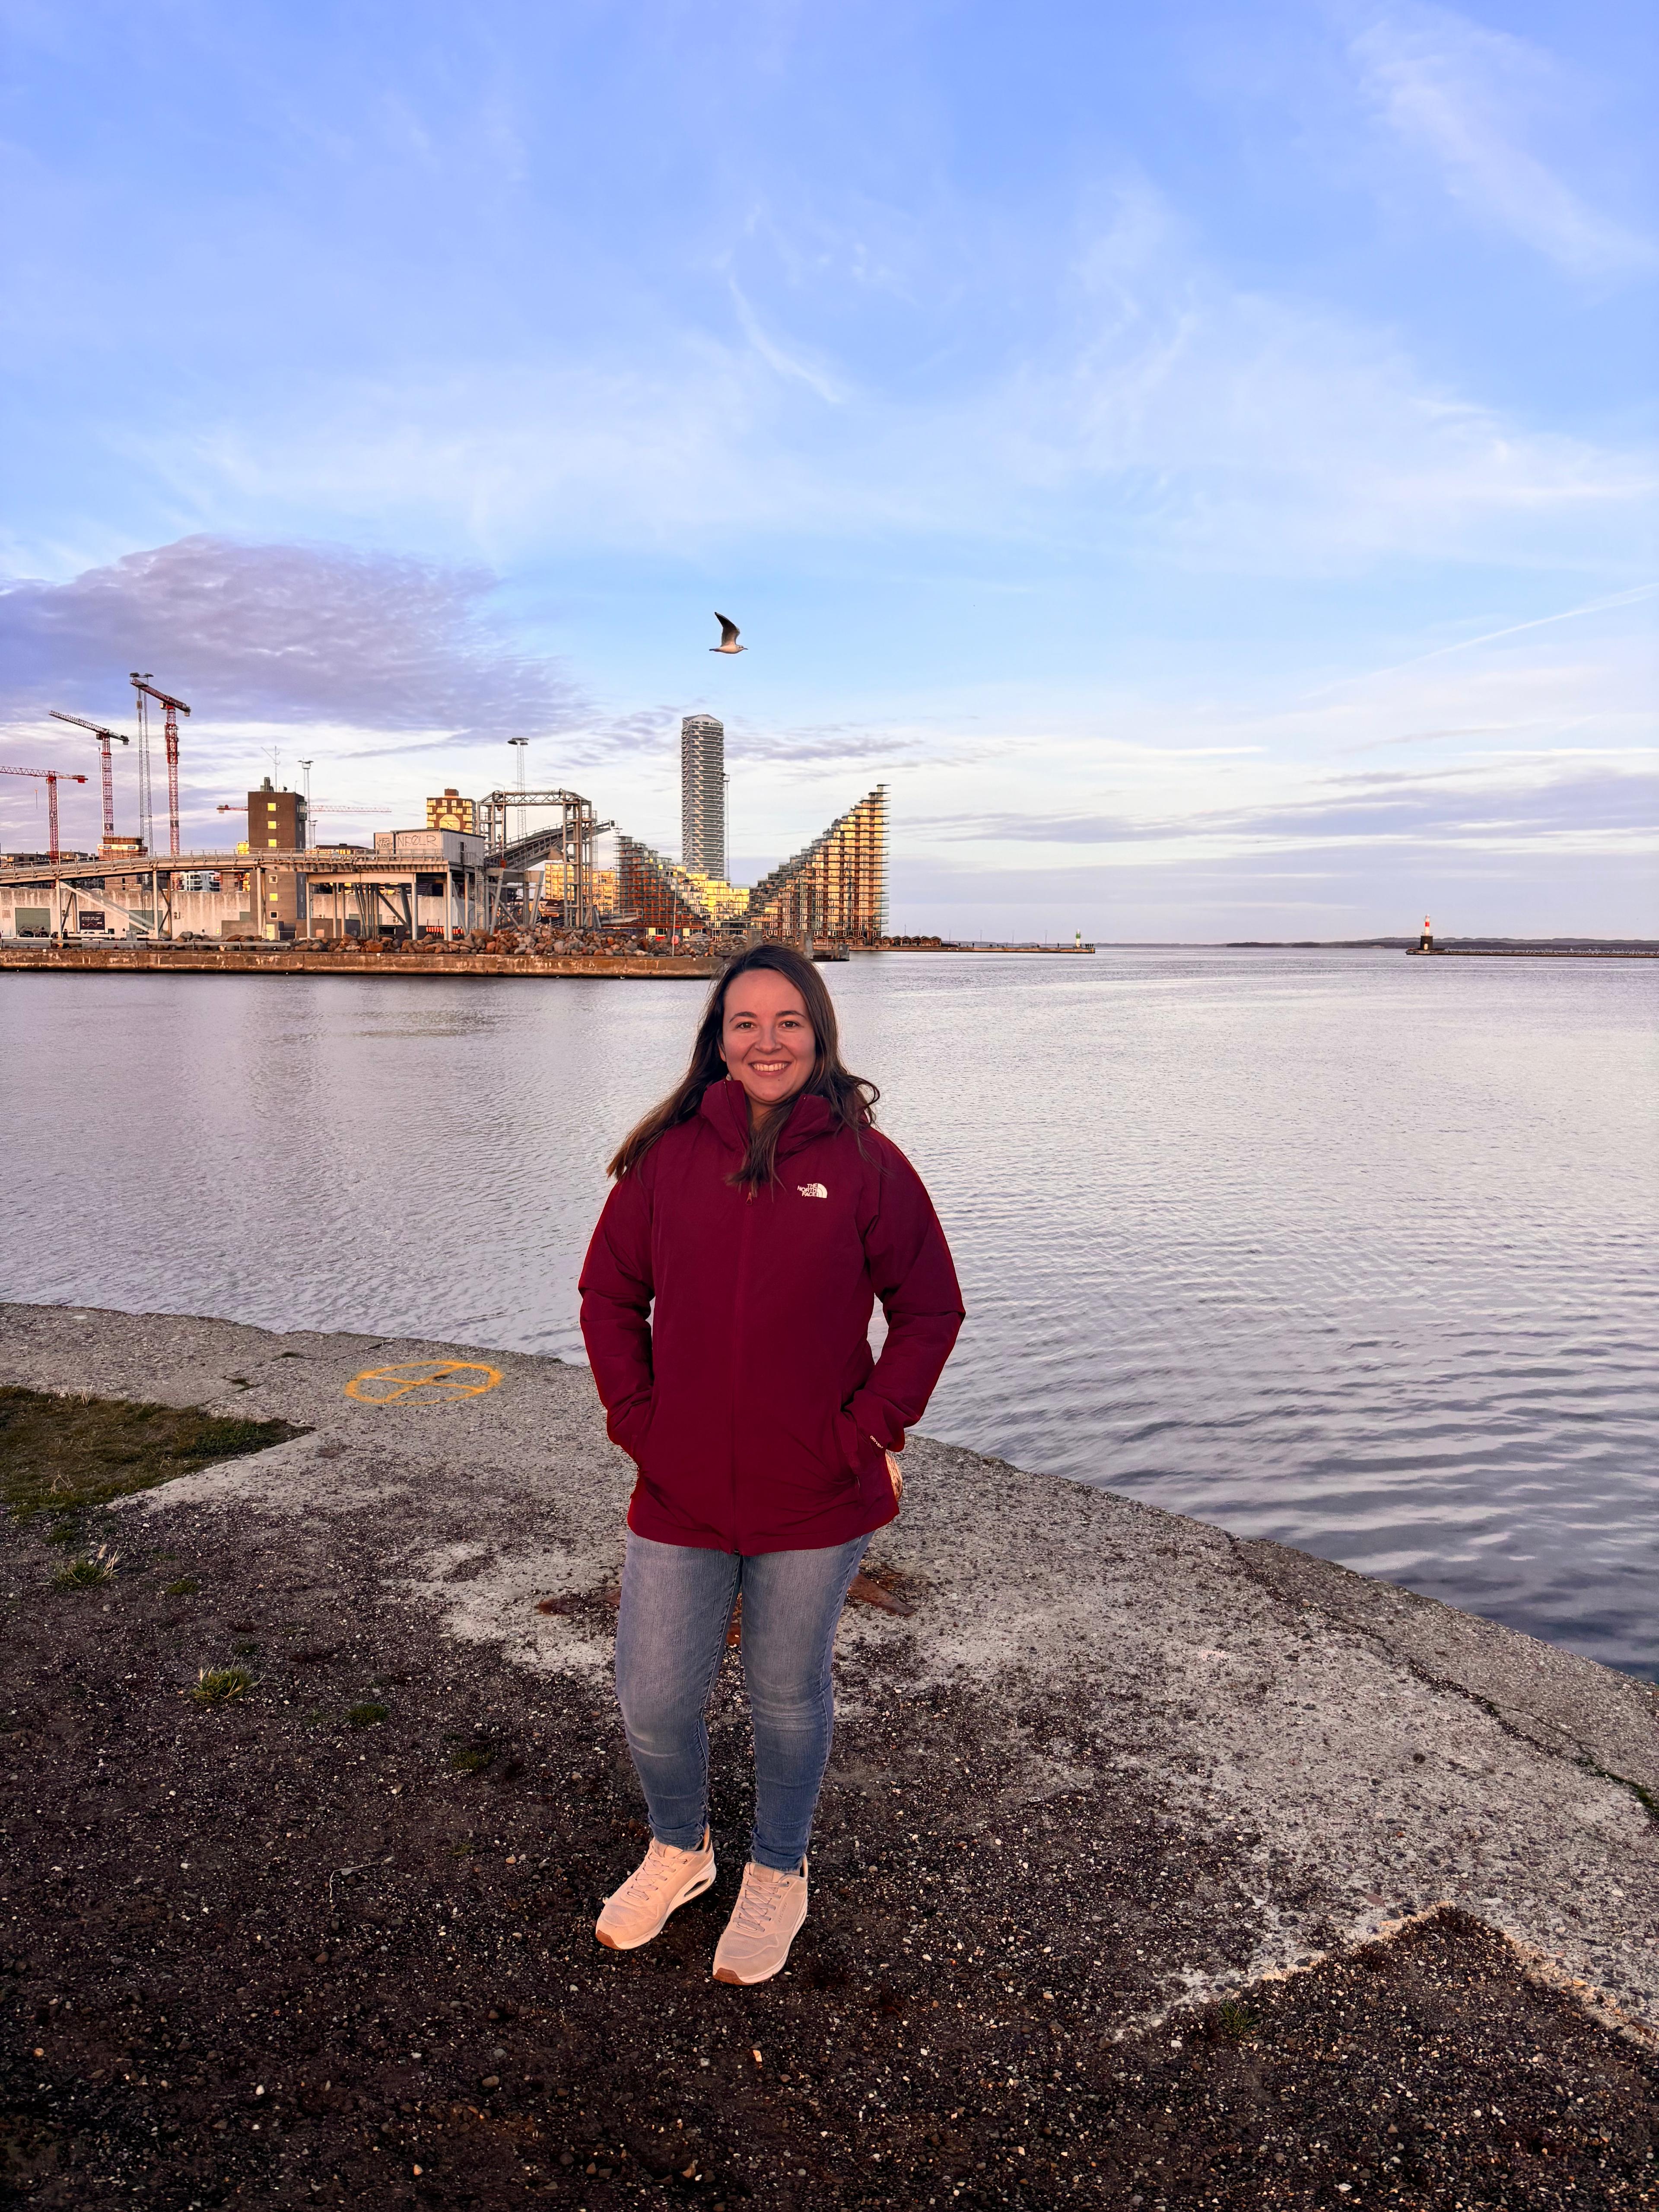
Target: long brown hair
column 850, row 1097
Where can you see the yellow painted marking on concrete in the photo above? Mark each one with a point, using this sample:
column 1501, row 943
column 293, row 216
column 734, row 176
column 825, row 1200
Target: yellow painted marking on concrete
column 424, row 1380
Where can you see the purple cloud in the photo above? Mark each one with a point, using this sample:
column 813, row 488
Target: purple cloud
column 282, row 632
column 1445, row 803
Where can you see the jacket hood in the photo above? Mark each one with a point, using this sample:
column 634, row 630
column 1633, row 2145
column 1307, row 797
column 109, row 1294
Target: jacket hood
column 724, row 1105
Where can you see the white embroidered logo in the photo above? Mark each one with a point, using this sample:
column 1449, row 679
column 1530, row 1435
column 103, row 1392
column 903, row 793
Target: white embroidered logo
column 812, row 1190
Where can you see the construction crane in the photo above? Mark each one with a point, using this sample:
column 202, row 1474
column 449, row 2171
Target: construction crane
column 51, row 777
column 317, row 809
column 105, row 740
column 173, row 708
column 146, row 818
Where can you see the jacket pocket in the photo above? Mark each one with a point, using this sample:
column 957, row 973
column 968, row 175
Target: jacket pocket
column 876, row 1472
column 853, row 1449
column 630, row 1423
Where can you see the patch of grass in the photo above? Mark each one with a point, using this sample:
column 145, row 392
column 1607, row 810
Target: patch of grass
column 66, row 1528
column 59, row 1454
column 186, row 1586
column 368, row 1715
column 217, row 1685
column 472, row 1758
column 1646, row 1798
column 1234, row 2021
column 87, row 1572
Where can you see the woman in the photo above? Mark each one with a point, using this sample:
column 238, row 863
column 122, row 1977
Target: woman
column 761, row 1214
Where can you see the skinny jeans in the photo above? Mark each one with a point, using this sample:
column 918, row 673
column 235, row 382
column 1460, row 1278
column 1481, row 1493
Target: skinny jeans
column 676, row 1601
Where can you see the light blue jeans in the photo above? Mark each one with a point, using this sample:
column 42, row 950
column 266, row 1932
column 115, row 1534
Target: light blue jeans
column 677, row 1602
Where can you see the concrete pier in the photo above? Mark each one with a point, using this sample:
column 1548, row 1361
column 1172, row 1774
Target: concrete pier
column 1124, row 1813
column 150, row 958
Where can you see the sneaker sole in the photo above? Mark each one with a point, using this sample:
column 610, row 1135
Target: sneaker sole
column 695, row 1888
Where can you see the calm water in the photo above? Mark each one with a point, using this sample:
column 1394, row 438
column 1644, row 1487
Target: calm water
column 1352, row 1251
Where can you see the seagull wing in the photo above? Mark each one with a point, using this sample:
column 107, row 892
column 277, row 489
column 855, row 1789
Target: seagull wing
column 728, row 629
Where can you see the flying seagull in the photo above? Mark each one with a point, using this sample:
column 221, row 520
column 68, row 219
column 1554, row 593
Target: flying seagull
column 728, row 635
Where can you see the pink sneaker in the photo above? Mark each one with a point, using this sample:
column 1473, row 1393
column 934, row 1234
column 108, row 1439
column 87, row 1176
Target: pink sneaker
column 664, row 1880
column 765, row 1921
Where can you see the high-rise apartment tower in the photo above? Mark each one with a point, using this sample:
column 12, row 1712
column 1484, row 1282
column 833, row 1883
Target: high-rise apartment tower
column 702, row 796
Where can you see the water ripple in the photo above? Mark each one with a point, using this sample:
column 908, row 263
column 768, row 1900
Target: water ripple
column 1349, row 1250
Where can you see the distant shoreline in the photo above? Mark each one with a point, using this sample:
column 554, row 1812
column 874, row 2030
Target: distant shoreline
column 1514, row 944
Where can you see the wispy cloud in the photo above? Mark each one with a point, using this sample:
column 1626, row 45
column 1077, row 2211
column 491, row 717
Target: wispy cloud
column 1539, row 803
column 780, row 358
column 1167, row 413
column 1463, row 95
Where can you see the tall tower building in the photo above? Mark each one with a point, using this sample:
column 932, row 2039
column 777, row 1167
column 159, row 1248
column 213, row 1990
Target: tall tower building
column 702, row 796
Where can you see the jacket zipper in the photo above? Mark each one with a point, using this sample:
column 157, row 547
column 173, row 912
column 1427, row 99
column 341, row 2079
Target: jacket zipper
column 737, row 1340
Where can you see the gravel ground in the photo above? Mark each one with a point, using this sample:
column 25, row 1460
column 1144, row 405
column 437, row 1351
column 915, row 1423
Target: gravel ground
column 330, row 1940
column 1154, row 1868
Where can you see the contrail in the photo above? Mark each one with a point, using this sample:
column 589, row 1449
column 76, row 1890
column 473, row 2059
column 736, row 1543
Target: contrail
column 1465, row 645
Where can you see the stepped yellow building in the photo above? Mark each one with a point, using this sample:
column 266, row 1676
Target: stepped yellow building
column 833, row 891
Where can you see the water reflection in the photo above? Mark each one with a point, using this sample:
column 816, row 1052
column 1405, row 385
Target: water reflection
column 1346, row 1249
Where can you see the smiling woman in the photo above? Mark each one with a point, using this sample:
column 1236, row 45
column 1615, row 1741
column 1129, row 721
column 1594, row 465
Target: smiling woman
column 770, row 1027
column 727, row 1299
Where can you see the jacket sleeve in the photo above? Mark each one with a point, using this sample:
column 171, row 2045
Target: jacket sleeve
column 911, row 1273
column 616, row 1290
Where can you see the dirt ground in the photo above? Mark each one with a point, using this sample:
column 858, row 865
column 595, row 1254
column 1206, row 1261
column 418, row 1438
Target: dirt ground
column 329, row 1938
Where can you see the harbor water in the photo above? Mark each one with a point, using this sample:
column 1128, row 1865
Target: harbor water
column 1344, row 1248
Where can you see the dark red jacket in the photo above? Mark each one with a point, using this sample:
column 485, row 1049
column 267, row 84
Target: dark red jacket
column 748, row 1400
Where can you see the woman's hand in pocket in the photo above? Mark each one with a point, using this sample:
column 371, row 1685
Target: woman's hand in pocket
column 628, row 1422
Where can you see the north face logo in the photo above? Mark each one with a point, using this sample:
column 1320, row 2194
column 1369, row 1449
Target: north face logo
column 812, row 1190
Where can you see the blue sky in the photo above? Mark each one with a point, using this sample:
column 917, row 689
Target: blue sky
column 1203, row 458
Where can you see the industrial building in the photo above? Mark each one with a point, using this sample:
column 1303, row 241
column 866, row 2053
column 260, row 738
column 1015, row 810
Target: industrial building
column 276, row 820
column 449, row 810
column 272, row 886
column 463, row 873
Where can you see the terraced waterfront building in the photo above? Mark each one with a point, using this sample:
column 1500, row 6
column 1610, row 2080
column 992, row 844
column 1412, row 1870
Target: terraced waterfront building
column 835, row 890
column 666, row 897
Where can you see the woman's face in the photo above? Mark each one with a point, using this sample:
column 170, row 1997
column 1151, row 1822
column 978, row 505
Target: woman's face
column 766, row 1040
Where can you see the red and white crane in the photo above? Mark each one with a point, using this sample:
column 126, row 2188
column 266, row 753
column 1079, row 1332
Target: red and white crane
column 51, row 777
column 173, row 708
column 105, row 740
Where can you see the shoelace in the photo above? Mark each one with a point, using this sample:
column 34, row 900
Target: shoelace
column 756, row 1903
column 652, row 1871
